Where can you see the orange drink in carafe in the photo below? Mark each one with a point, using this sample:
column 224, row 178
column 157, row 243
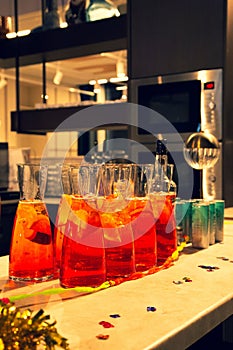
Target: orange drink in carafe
column 31, row 255
column 31, row 251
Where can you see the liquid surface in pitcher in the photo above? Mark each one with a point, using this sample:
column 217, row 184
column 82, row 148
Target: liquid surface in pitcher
column 31, row 252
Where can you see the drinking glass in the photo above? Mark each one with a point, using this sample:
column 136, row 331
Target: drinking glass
column 115, row 187
column 83, row 254
column 163, row 210
column 142, row 217
column 31, row 251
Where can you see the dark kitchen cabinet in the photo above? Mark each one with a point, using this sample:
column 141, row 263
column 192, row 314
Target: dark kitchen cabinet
column 168, row 37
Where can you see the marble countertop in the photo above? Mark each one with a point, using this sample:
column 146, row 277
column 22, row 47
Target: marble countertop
column 184, row 312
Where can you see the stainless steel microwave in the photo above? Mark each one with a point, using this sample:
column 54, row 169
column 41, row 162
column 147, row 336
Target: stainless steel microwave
column 190, row 101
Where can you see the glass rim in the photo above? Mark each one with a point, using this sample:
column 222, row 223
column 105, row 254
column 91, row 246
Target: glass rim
column 32, row 164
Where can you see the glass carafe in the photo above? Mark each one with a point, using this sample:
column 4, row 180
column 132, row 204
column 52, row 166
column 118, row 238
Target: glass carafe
column 83, row 254
column 31, row 251
column 62, row 215
column 163, row 210
column 114, row 190
column 143, row 223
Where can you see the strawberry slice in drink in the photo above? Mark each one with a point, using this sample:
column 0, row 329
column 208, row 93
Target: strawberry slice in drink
column 39, row 232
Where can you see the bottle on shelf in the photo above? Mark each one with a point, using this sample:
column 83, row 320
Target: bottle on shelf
column 76, row 12
column 51, row 16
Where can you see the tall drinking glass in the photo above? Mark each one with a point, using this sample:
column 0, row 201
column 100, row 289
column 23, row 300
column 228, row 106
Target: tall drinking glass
column 115, row 187
column 31, row 251
column 83, row 254
column 143, row 223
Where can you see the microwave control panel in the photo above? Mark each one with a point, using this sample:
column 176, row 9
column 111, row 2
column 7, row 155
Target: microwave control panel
column 211, row 101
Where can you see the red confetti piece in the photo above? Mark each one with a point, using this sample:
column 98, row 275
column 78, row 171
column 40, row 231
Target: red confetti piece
column 106, row 324
column 187, row 279
column 102, row 336
column 5, row 300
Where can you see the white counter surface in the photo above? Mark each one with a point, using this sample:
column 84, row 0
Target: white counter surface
column 185, row 312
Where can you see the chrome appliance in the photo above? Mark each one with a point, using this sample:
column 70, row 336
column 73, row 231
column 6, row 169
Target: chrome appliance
column 191, row 102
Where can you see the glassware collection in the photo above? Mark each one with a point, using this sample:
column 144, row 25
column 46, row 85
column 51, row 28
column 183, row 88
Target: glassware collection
column 113, row 220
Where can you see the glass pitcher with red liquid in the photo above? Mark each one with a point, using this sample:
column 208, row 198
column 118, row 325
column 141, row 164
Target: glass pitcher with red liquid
column 63, row 210
column 83, row 253
column 142, row 217
column 31, row 252
column 114, row 189
column 162, row 201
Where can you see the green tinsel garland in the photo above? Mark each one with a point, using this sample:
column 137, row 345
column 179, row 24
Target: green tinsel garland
column 26, row 330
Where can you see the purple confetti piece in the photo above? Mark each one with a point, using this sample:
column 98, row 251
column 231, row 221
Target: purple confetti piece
column 151, row 308
column 114, row 315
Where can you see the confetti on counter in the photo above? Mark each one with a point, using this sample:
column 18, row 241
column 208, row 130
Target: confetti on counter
column 177, row 282
column 151, row 308
column 187, row 279
column 102, row 336
column 114, row 315
column 209, row 267
column 222, row 258
column 106, row 324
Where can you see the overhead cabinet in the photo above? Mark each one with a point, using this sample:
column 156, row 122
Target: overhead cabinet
column 168, row 37
column 61, row 43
